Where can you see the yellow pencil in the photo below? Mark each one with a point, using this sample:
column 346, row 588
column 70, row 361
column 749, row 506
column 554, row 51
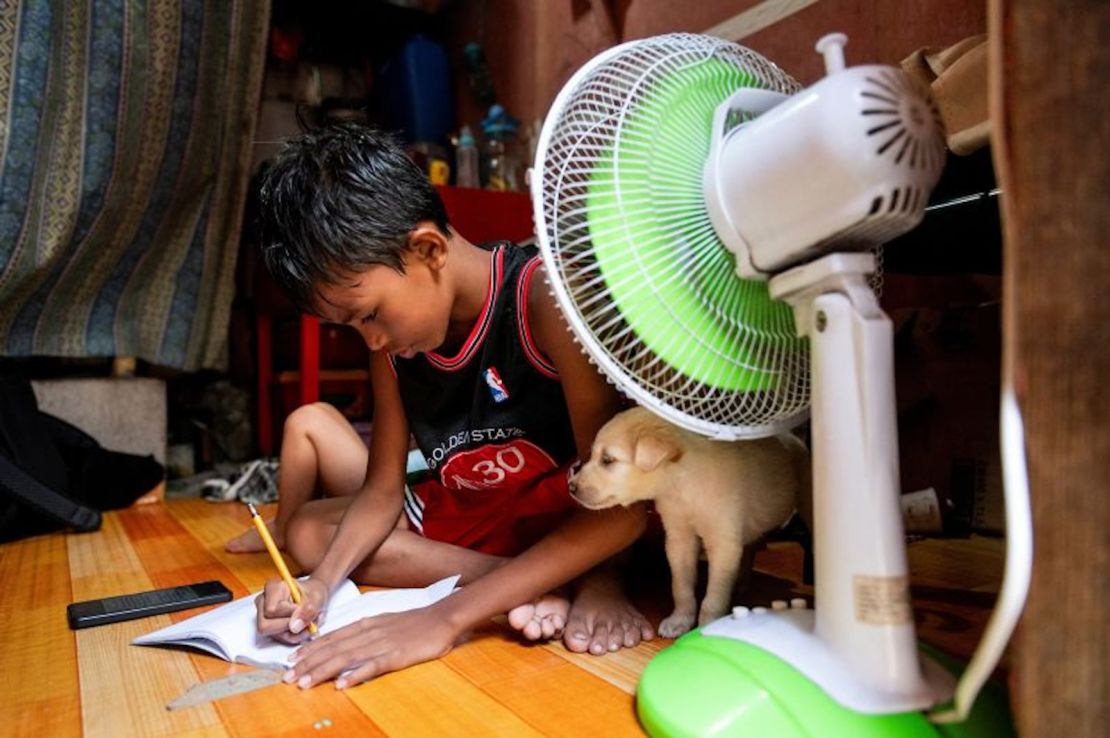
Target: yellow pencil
column 264, row 532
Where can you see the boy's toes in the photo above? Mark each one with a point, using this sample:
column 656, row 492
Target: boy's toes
column 532, row 630
column 551, row 626
column 603, row 640
column 543, row 618
column 576, row 635
column 521, row 615
column 616, row 639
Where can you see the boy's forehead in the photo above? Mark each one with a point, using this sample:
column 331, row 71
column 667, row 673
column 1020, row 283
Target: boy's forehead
column 337, row 300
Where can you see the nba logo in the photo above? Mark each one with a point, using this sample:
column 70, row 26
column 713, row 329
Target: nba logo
column 496, row 386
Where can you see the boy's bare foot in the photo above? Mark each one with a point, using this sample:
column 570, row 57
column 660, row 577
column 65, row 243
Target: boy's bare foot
column 543, row 618
column 249, row 541
column 602, row 619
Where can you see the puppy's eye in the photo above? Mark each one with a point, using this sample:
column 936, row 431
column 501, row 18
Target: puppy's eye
column 606, row 459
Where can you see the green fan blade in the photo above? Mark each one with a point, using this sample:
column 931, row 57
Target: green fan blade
column 672, row 280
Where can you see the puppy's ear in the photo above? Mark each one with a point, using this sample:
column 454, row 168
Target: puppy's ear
column 653, row 449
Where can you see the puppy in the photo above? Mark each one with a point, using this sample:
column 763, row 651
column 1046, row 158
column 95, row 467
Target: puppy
column 725, row 494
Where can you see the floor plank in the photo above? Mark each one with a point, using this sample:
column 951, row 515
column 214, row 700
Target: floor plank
column 38, row 651
column 432, row 699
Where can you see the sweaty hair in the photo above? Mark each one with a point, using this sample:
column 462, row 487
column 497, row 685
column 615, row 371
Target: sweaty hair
column 338, row 200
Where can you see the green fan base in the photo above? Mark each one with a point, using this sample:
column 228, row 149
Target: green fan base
column 712, row 687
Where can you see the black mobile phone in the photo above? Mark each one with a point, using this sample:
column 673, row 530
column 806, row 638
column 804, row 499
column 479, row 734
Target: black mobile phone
column 142, row 604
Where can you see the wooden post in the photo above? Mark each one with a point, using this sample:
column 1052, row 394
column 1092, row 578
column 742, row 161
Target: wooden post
column 1051, row 108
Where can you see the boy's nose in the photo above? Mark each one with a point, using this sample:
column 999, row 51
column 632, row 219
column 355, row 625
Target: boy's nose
column 375, row 340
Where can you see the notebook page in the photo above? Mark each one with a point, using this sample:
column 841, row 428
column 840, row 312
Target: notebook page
column 383, row 601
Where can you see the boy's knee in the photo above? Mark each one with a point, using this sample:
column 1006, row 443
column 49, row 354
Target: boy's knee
column 305, row 539
column 307, row 418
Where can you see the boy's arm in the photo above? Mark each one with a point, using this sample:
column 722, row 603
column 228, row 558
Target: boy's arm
column 591, row 400
column 389, row 642
column 371, row 517
column 374, row 509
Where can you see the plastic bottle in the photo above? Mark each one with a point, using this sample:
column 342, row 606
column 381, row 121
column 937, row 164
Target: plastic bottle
column 418, row 90
column 466, row 160
column 504, row 158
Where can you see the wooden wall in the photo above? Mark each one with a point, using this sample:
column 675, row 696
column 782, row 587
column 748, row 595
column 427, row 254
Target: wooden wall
column 533, row 46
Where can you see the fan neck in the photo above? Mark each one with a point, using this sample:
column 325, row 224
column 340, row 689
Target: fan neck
column 846, row 274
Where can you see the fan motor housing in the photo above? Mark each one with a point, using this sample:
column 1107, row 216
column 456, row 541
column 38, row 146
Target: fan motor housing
column 845, row 164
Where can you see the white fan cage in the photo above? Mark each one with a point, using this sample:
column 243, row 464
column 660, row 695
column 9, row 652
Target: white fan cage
column 576, row 151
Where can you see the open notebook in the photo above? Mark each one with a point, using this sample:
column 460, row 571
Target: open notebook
column 229, row 630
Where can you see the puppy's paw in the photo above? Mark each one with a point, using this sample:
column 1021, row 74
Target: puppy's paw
column 675, row 625
column 707, row 616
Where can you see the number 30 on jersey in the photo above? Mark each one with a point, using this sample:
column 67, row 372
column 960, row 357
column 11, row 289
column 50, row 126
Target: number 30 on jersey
column 512, row 464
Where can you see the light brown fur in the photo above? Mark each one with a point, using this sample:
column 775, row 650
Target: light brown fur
column 721, row 494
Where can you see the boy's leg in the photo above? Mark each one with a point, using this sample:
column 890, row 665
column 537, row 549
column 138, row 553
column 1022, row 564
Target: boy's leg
column 319, row 450
column 405, row 558
column 600, row 620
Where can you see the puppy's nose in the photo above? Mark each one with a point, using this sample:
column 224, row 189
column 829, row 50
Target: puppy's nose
column 572, row 476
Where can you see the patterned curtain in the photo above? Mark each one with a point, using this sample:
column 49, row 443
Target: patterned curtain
column 125, row 129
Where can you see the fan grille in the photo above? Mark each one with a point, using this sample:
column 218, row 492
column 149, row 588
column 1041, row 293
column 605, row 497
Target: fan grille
column 637, row 268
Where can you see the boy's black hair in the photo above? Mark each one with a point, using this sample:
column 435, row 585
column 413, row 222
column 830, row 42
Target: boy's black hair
column 338, row 200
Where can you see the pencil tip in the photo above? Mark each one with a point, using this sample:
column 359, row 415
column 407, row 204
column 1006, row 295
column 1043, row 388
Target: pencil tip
column 252, row 509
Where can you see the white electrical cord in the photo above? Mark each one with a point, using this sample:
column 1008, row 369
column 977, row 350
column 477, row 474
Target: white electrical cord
column 1019, row 565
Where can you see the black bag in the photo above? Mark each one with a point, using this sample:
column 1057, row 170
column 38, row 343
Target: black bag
column 54, row 475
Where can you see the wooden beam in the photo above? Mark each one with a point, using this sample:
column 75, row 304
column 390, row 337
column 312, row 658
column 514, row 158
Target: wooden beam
column 1050, row 60
column 756, row 18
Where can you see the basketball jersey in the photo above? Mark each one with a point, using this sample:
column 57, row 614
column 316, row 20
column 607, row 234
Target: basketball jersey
column 491, row 421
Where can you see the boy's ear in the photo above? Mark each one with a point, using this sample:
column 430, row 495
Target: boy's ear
column 429, row 245
column 653, row 449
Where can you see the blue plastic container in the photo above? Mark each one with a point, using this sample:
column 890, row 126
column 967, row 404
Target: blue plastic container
column 419, row 96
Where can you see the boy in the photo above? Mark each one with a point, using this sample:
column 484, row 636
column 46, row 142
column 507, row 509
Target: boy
column 470, row 354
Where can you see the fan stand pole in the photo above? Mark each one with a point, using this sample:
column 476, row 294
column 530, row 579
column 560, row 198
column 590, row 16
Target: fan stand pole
column 858, row 644
column 863, row 610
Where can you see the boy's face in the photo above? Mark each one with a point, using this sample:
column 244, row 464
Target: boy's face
column 403, row 314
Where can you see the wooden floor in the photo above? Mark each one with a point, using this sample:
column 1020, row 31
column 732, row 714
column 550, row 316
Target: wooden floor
column 93, row 683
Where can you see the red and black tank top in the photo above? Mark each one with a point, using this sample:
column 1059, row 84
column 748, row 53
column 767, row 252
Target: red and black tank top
column 493, row 415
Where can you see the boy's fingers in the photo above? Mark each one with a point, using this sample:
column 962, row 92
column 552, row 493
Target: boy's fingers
column 271, row 626
column 311, row 608
column 304, row 614
column 275, row 600
column 321, row 672
column 328, row 657
column 274, row 621
column 284, row 636
column 367, row 671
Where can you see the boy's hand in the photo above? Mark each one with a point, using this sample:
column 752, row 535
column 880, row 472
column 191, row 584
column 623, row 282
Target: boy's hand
column 283, row 619
column 371, row 647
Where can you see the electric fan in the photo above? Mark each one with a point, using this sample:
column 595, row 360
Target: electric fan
column 707, row 229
